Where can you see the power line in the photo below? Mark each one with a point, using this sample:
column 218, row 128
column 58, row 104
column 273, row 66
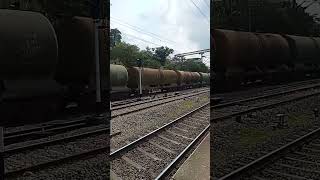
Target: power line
column 206, row 3
column 200, row 11
column 146, row 41
column 142, row 29
column 142, row 32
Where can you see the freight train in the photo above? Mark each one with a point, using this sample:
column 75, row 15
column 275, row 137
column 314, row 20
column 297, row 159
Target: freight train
column 43, row 67
column 241, row 58
column 125, row 80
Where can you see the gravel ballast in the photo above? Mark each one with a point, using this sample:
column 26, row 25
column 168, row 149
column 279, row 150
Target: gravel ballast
column 135, row 125
column 235, row 144
column 153, row 154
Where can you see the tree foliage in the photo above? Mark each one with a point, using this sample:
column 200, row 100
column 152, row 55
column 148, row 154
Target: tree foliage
column 127, row 54
column 286, row 19
column 283, row 17
column 161, row 54
column 124, row 53
column 195, row 65
column 192, row 64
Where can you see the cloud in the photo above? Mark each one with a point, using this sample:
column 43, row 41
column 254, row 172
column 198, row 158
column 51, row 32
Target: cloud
column 179, row 23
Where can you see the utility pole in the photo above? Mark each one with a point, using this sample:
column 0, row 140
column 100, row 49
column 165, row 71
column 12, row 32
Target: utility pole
column 140, row 64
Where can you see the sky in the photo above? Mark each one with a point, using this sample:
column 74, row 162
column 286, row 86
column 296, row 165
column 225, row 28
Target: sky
column 183, row 25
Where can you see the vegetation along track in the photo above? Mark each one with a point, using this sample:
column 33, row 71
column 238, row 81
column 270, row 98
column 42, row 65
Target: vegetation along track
column 123, row 110
column 298, row 159
column 245, row 106
column 154, row 155
column 60, row 144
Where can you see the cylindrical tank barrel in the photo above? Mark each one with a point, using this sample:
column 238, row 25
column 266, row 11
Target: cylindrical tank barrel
column 76, row 50
column 183, row 77
column 168, row 77
column 304, row 49
column 150, row 77
column 196, row 78
column 205, row 77
column 317, row 40
column 118, row 75
column 275, row 49
column 235, row 48
column 28, row 46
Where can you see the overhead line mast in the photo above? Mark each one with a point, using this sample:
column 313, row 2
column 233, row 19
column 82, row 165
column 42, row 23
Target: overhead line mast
column 201, row 52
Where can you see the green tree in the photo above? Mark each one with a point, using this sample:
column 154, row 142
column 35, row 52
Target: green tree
column 125, row 54
column 273, row 17
column 285, row 19
column 161, row 54
column 170, row 64
column 115, row 37
column 147, row 57
column 195, row 65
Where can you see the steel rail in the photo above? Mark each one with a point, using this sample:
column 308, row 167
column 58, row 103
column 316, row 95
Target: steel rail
column 59, row 161
column 152, row 100
column 172, row 94
column 263, row 97
column 131, row 145
column 272, row 156
column 172, row 165
column 48, row 125
column 53, row 141
column 262, row 107
column 49, row 130
column 147, row 107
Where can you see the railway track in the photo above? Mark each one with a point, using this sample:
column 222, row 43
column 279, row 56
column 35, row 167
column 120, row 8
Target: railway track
column 28, row 151
column 246, row 106
column 51, row 128
column 131, row 108
column 298, row 159
column 154, row 155
column 118, row 104
column 238, row 95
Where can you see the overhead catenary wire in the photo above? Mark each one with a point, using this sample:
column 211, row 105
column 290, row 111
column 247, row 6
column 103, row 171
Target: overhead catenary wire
column 146, row 41
column 206, row 3
column 147, row 32
column 143, row 40
column 142, row 32
column 206, row 18
column 155, row 37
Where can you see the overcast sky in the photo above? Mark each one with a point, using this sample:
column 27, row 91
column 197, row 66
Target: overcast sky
column 178, row 24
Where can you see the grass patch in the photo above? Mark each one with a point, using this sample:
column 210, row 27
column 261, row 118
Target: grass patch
column 251, row 136
column 187, row 104
column 302, row 119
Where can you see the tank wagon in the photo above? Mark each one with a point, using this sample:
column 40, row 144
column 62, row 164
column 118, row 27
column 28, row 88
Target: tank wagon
column 244, row 57
column 119, row 78
column 44, row 67
column 125, row 80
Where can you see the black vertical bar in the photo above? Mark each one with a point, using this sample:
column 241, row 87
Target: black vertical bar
column 97, row 11
column 1, row 154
